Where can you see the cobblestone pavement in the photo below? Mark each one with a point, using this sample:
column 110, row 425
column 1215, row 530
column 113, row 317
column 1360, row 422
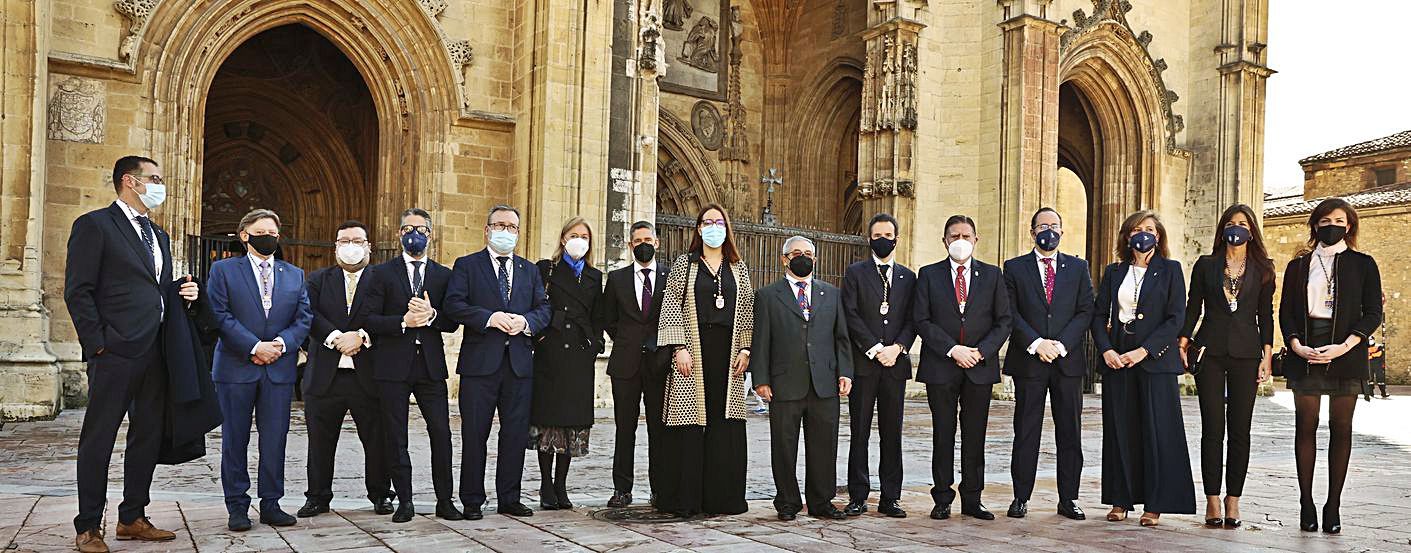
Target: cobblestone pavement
column 37, row 501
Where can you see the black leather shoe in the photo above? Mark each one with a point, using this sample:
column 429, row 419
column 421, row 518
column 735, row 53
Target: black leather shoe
column 312, row 508
column 891, row 508
column 1308, row 518
column 383, row 506
column 1332, row 520
column 239, row 522
column 405, row 512
column 941, row 512
column 620, row 500
column 1018, row 508
column 516, row 510
column 277, row 517
column 473, row 513
column 1070, row 509
column 784, row 516
column 1232, row 523
column 855, row 508
column 447, row 510
column 831, row 512
column 978, row 511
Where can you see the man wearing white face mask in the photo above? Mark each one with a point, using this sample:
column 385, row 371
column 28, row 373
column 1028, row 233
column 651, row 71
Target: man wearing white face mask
column 962, row 315
column 339, row 377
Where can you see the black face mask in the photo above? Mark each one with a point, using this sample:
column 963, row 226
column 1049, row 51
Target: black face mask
column 801, row 266
column 644, row 252
column 264, row 244
column 1331, row 234
column 882, row 247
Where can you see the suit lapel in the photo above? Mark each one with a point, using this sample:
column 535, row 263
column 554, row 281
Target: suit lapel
column 1154, row 270
column 124, row 228
column 1036, row 279
column 247, row 275
column 784, row 292
column 519, row 278
column 948, row 286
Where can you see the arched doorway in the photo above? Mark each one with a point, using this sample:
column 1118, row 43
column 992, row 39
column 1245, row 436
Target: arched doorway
column 290, row 126
column 825, row 194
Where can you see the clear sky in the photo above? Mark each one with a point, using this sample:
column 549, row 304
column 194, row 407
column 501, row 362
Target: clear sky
column 1344, row 76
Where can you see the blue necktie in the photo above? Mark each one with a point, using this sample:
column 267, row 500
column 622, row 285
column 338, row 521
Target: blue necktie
column 416, row 279
column 504, row 279
column 147, row 239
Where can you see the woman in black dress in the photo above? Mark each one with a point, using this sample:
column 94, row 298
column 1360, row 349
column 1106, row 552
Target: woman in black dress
column 561, row 413
column 707, row 317
column 1332, row 302
column 1140, row 308
column 1234, row 287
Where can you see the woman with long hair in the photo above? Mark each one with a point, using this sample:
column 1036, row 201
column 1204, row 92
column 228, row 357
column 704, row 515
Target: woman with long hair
column 1138, row 317
column 1332, row 303
column 707, row 318
column 1231, row 354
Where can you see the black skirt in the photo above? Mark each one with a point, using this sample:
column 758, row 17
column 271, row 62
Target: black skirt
column 1145, row 460
column 1317, row 381
column 704, row 470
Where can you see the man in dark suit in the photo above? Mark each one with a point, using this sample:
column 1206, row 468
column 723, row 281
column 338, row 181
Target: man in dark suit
column 339, row 378
column 119, row 269
column 962, row 315
column 1051, row 297
column 500, row 299
column 631, row 309
column 409, row 358
column 262, row 307
column 802, row 364
column 877, row 303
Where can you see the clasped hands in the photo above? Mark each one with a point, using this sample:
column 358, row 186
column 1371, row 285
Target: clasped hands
column 966, row 356
column 348, row 343
column 1117, row 361
column 509, row 323
column 267, row 352
column 419, row 312
column 1321, row 355
column 888, row 355
column 1049, row 351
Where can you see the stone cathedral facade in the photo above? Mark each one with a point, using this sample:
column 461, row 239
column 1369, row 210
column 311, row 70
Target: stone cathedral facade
column 615, row 110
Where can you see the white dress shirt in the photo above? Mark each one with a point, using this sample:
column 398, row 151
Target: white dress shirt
column 1322, row 256
column 255, row 261
column 955, row 272
column 346, row 362
column 157, row 258
column 1127, row 294
column 637, row 277
column 891, row 279
column 1043, row 275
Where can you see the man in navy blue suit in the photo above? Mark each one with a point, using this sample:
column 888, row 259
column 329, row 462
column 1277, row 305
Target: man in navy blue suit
column 1051, row 296
column 262, row 309
column 499, row 297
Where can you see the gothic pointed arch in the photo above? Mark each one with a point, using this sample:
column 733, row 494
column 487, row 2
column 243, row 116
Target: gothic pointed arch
column 825, row 159
column 687, row 178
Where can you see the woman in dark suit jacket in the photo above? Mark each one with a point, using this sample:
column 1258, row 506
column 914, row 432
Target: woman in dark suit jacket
column 561, row 413
column 1332, row 301
column 1234, row 286
column 1140, row 305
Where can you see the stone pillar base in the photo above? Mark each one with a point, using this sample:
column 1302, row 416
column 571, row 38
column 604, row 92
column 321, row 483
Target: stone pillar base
column 29, row 387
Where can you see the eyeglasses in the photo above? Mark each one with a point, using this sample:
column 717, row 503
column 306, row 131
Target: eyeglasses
column 712, row 223
column 354, row 242
column 1045, row 227
column 510, row 227
column 154, row 179
column 797, row 253
column 420, row 229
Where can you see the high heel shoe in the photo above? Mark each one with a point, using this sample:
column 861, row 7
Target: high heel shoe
column 1117, row 514
column 1150, row 519
column 1308, row 518
column 1232, row 522
column 1332, row 521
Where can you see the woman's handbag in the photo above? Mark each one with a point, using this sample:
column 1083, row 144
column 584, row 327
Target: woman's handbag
column 1276, row 363
column 1194, row 366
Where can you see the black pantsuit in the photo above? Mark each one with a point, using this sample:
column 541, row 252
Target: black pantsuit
column 973, row 403
column 432, row 399
column 704, row 469
column 1227, row 387
column 136, row 387
column 324, row 412
column 629, row 395
column 1065, row 396
column 887, row 395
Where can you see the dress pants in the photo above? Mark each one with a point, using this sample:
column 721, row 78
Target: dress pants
column 268, row 402
column 628, row 395
column 1226, row 387
column 819, row 417
column 324, row 415
column 888, row 396
column 118, row 386
column 481, row 397
column 972, row 401
column 431, row 398
column 1065, row 395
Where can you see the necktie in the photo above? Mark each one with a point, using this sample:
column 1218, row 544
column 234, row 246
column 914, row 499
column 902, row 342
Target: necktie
column 266, row 284
column 803, row 298
column 146, row 225
column 1048, row 279
column 960, row 294
column 504, row 279
column 350, row 287
column 416, row 279
column 646, row 291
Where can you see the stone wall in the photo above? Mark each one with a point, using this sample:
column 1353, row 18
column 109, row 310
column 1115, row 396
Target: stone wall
column 1347, row 176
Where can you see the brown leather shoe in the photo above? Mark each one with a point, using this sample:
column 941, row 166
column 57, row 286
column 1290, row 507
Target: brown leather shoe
column 91, row 542
column 143, row 530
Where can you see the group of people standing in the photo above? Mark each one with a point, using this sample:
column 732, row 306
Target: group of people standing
column 684, row 337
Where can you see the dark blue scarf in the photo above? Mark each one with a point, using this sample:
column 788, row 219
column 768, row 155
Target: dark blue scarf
column 576, row 265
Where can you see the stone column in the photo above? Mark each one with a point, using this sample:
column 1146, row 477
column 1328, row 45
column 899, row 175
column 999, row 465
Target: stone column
column 1239, row 165
column 1028, row 177
column 30, row 386
column 887, row 140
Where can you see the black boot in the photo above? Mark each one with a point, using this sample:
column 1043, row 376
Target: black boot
column 548, row 500
column 561, row 480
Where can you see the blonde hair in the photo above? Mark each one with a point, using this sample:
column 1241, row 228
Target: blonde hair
column 558, row 252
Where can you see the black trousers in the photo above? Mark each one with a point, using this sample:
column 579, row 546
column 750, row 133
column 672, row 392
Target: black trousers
column 324, row 414
column 972, row 403
column 1065, row 394
column 887, row 396
column 1227, row 387
column 119, row 386
column 819, row 418
column 431, row 397
column 482, row 397
column 628, row 396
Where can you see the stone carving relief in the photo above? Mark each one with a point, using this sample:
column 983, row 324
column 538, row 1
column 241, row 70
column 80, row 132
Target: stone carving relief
column 896, row 89
column 649, row 60
column 737, row 139
column 699, row 50
column 434, row 7
column 77, row 108
column 840, row 18
column 136, row 12
column 705, row 123
column 675, row 13
column 696, row 36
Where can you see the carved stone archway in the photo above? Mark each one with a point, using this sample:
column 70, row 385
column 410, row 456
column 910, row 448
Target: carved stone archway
column 686, row 178
column 824, row 162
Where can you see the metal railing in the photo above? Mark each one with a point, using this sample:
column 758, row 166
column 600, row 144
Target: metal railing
column 203, row 251
column 759, row 247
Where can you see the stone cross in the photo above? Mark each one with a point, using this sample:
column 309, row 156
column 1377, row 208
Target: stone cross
column 771, row 179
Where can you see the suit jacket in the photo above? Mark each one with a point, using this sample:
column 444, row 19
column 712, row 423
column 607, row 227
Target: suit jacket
column 327, row 297
column 235, row 303
column 867, row 326
column 1160, row 314
column 394, row 348
column 1357, row 309
column 790, row 353
column 633, row 333
column 192, row 409
column 1242, row 334
column 474, row 295
column 985, row 323
column 1067, row 319
column 110, row 288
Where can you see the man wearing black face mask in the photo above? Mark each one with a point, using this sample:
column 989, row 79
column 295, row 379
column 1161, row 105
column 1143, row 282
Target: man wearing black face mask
column 802, row 364
column 631, row 310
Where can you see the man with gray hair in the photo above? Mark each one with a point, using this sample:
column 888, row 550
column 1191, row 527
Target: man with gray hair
column 802, row 365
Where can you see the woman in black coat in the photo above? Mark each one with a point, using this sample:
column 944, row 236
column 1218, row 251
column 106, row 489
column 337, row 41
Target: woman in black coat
column 561, row 413
column 1332, row 302
column 1234, row 287
column 1140, row 308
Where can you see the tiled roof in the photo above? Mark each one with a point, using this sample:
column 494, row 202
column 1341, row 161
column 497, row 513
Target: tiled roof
column 1391, row 194
column 1398, row 140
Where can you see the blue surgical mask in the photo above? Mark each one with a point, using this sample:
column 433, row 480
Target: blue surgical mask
column 1142, row 242
column 713, row 236
column 414, row 242
column 1047, row 240
column 154, row 196
column 503, row 241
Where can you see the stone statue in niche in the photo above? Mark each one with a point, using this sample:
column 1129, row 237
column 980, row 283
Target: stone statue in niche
column 674, row 14
column 700, row 49
column 886, row 103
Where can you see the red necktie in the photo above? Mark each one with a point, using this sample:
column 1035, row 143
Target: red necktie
column 1048, row 279
column 960, row 294
column 803, row 298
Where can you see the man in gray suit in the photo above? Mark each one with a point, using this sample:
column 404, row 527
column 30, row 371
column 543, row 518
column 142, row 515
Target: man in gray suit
column 802, row 364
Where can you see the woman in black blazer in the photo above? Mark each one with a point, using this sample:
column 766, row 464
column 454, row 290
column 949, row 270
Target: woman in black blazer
column 1234, row 287
column 1140, row 306
column 1332, row 301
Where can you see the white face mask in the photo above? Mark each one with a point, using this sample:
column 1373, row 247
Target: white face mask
column 960, row 250
column 351, row 254
column 576, row 247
